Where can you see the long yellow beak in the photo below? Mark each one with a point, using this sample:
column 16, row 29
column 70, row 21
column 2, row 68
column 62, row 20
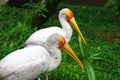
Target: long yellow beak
column 75, row 26
column 69, row 51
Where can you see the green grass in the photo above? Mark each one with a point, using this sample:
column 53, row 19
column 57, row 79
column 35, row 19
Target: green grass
column 103, row 38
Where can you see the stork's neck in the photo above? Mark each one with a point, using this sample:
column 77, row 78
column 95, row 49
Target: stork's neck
column 66, row 27
column 55, row 57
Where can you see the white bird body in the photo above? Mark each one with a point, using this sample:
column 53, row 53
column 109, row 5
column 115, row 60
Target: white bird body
column 66, row 19
column 29, row 62
column 40, row 36
column 22, row 62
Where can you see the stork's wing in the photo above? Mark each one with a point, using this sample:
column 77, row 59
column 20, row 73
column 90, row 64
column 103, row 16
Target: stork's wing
column 40, row 36
column 27, row 62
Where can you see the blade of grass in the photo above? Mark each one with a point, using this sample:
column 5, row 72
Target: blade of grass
column 81, row 48
column 90, row 71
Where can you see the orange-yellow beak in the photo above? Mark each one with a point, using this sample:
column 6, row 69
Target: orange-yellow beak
column 69, row 51
column 75, row 26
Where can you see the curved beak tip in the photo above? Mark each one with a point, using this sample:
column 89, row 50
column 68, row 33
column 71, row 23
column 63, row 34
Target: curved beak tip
column 75, row 26
column 70, row 52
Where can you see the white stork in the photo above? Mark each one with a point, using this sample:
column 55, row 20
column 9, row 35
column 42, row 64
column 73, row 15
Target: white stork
column 29, row 62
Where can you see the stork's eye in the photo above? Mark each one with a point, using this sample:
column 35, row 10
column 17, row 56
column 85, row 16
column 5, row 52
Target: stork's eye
column 62, row 42
column 67, row 16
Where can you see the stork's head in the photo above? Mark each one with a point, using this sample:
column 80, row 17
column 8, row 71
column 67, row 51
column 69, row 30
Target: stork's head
column 59, row 41
column 69, row 17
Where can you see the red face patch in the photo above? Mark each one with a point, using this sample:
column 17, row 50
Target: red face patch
column 62, row 42
column 69, row 15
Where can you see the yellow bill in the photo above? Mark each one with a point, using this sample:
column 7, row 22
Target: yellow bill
column 69, row 51
column 75, row 26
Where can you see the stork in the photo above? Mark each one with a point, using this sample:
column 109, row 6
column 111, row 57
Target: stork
column 29, row 62
column 66, row 18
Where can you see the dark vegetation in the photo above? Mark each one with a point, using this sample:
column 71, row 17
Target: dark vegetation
column 48, row 10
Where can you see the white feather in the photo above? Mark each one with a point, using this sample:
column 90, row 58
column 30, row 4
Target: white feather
column 40, row 36
column 29, row 62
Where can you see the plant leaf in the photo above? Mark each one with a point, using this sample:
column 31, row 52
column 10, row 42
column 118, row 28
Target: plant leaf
column 80, row 44
column 90, row 71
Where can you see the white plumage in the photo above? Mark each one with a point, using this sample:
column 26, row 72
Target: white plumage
column 66, row 19
column 24, row 64
column 29, row 62
column 40, row 37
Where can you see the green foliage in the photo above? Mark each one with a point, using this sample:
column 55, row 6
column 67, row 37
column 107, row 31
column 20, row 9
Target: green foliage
column 89, row 70
column 14, row 29
column 38, row 7
column 30, row 4
column 101, row 56
column 88, row 67
column 114, row 4
column 81, row 48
